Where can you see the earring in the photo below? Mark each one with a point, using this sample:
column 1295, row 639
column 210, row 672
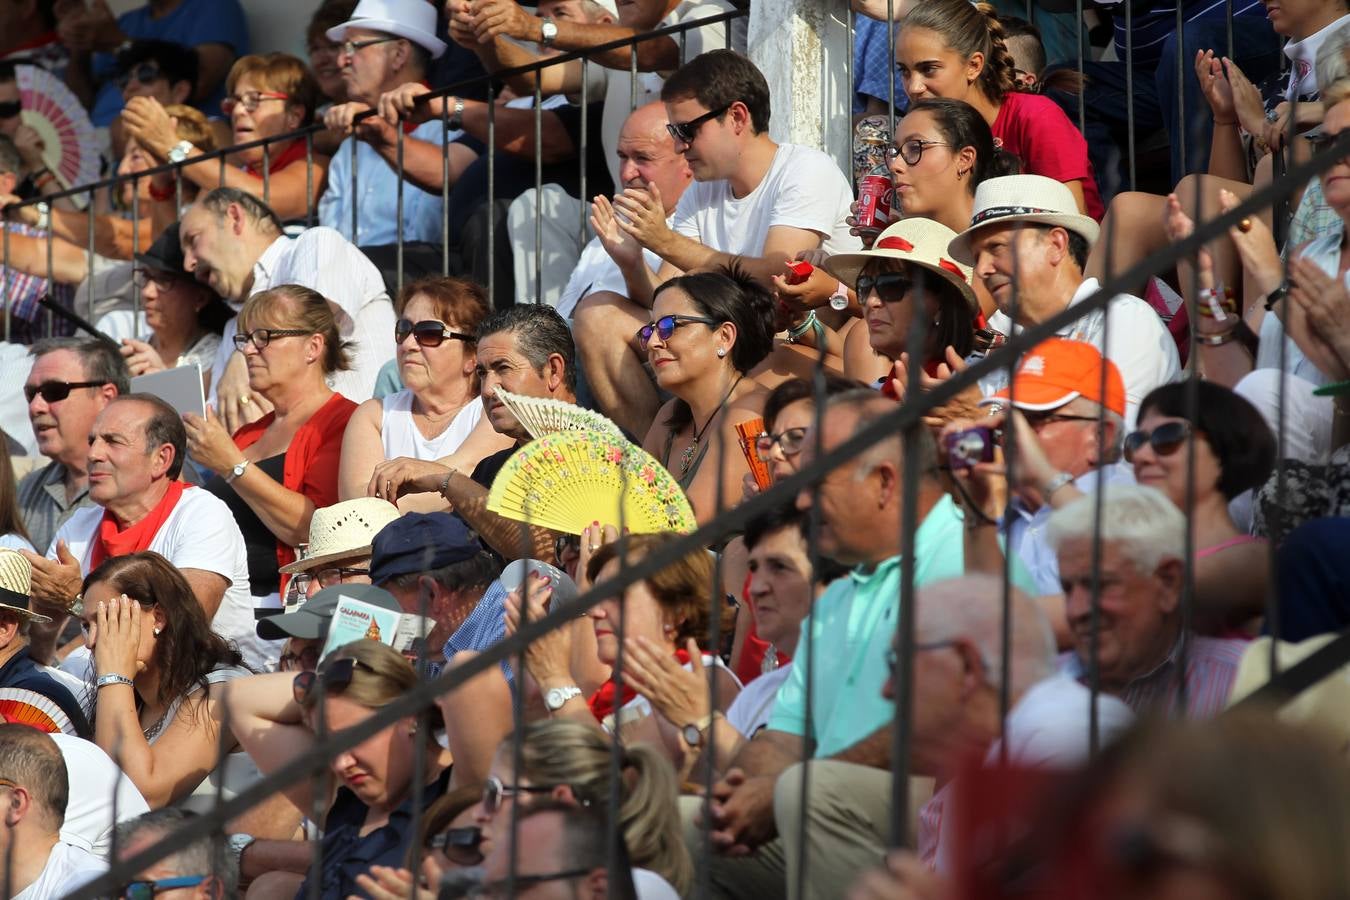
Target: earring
column 721, row 352
column 157, row 630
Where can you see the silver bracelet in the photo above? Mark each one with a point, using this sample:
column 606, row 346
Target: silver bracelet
column 1055, row 483
column 113, row 678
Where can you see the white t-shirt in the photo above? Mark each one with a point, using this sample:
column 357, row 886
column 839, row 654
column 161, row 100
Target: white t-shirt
column 802, row 189
column 68, row 868
column 596, row 271
column 199, row 533
column 400, row 436
column 94, row 778
column 749, row 712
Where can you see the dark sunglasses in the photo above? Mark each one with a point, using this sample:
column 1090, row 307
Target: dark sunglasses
column 494, row 792
column 427, row 333
column 685, row 132
column 261, row 337
column 11, row 109
column 145, row 73
column 1321, row 143
column 891, row 287
column 460, row 845
column 335, row 679
column 789, row 441
column 144, row 890
column 665, row 326
column 1165, row 439
column 56, row 391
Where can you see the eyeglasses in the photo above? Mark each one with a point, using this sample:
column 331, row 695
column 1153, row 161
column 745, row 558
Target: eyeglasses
column 56, row 391
column 144, row 73
column 307, row 660
column 144, row 890
column 249, row 100
column 498, row 888
column 1040, row 419
column 893, row 658
column 163, row 281
column 789, row 442
column 427, row 333
column 494, row 792
column 890, row 287
column 685, row 132
column 261, row 337
column 911, row 151
column 335, row 679
column 1165, row 440
column 460, row 845
column 665, row 326
column 349, row 48
column 11, row 109
column 6, row 783
column 336, row 575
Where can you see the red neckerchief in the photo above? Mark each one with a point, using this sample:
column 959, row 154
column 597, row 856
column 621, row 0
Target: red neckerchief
column 602, row 701
column 110, row 542
column 294, row 152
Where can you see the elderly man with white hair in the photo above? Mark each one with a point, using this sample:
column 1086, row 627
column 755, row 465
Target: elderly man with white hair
column 1143, row 655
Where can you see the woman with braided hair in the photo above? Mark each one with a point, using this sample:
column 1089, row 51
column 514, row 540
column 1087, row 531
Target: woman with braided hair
column 953, row 49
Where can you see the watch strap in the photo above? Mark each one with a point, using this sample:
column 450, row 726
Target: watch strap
column 111, row 679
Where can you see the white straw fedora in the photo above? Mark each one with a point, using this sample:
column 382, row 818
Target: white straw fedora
column 344, row 530
column 16, row 586
column 917, row 241
column 414, row 20
column 1023, row 198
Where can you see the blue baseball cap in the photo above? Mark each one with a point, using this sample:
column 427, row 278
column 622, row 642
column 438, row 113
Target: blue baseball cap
column 420, row 542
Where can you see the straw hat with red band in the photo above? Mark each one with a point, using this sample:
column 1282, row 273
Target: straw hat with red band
column 1023, row 198
column 1057, row 371
column 917, row 241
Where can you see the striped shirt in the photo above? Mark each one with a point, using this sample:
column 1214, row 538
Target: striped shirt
column 1211, row 667
column 1156, row 22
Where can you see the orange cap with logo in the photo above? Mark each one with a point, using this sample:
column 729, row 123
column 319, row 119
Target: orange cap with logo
column 1059, row 370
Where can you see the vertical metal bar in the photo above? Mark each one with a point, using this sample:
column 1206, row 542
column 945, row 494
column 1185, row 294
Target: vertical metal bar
column 1078, row 45
column 445, row 185
column 398, row 207
column 582, row 155
column 309, row 179
column 492, row 194
column 890, row 86
column 1182, row 121
column 51, row 281
column 135, row 249
column 850, row 66
column 539, row 192
column 1129, row 99
column 355, row 145
column 9, row 296
column 90, row 280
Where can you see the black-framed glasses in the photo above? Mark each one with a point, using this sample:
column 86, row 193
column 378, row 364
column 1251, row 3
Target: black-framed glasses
column 427, row 333
column 163, row 281
column 789, row 441
column 56, row 391
column 498, row 888
column 307, row 660
column 335, row 679
column 460, row 845
column 143, row 73
column 495, row 791
column 891, row 287
column 331, row 575
column 144, row 890
column 249, row 100
column 685, row 132
column 10, row 109
column 1039, row 419
column 1165, row 440
column 665, row 326
column 911, row 151
column 349, row 48
column 261, row 337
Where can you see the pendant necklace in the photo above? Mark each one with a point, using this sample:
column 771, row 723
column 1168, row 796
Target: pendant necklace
column 687, row 458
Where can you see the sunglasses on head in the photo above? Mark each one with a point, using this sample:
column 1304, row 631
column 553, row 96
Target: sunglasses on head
column 685, row 132
column 11, row 109
column 334, row 679
column 665, row 326
column 891, row 287
column 56, row 391
column 145, row 890
column 1165, row 440
column 427, row 333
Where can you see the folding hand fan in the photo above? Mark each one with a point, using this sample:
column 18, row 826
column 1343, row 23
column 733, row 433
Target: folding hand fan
column 541, row 416
column 749, row 432
column 70, row 146
column 36, row 710
column 569, row 479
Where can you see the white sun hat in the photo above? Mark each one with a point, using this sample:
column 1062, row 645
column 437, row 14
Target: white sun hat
column 414, row 20
column 1023, row 198
column 343, row 530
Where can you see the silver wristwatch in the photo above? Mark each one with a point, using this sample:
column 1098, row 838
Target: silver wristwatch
column 548, row 31
column 238, row 470
column 179, row 151
column 556, row 698
column 238, row 843
column 456, row 117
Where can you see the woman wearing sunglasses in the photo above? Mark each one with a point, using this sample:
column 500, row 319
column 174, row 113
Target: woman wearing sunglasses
column 1234, row 451
column 273, row 473
column 708, row 330
column 369, row 818
column 438, row 415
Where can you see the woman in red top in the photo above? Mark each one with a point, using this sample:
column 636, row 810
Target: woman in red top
column 276, row 471
column 951, row 48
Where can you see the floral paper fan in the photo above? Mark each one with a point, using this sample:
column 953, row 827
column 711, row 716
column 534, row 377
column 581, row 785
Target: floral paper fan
column 36, row 710
column 70, row 147
column 541, row 415
column 567, row 480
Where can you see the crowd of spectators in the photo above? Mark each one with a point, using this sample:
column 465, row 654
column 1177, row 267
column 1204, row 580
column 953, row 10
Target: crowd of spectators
column 1068, row 574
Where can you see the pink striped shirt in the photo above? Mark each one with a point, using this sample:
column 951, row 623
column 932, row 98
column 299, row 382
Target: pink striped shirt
column 1211, row 667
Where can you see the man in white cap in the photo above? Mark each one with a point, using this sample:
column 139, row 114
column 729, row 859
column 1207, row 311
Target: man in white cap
column 1028, row 244
column 384, row 44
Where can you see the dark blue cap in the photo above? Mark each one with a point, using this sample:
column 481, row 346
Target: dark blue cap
column 419, row 542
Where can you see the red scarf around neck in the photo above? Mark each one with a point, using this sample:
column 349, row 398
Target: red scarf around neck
column 109, row 541
column 602, row 701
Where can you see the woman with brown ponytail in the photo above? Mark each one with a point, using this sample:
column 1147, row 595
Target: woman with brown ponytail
column 953, row 49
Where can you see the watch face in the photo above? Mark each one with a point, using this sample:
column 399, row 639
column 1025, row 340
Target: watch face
column 692, row 736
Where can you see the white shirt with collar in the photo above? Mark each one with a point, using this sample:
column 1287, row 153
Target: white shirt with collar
column 324, row 261
column 68, row 868
column 1139, row 344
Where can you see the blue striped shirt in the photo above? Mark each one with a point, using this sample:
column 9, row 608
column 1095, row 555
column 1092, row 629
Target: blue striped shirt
column 1153, row 25
column 484, row 627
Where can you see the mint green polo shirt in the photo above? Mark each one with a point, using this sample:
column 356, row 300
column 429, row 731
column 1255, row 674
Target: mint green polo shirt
column 852, row 625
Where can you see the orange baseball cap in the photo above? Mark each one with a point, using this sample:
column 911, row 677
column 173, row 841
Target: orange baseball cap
column 1059, row 370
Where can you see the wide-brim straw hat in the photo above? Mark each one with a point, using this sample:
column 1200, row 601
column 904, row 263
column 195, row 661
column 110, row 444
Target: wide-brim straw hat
column 917, row 241
column 16, row 586
column 414, row 20
column 344, row 530
column 1023, row 198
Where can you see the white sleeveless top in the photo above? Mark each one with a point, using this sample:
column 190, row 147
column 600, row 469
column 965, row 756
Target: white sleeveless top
column 400, row 436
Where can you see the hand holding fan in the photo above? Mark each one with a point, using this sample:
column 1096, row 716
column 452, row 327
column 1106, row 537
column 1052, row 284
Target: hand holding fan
column 541, row 415
column 69, row 144
column 749, row 432
column 39, row 711
column 566, row 480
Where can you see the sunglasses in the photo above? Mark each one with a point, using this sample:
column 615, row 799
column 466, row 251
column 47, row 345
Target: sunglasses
column 789, row 441
column 665, row 326
column 250, row 100
column 911, row 151
column 11, row 109
column 891, row 287
column 1165, row 439
column 56, row 391
column 334, row 679
column 144, row 890
column 307, row 660
column 460, row 845
column 685, row 132
column 494, row 792
column 261, row 337
column 163, row 281
column 336, row 575
column 144, row 73
column 427, row 333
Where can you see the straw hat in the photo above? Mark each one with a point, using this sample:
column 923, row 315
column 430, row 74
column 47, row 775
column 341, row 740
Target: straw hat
column 917, row 241
column 414, row 20
column 16, row 585
column 1023, row 198
column 344, row 530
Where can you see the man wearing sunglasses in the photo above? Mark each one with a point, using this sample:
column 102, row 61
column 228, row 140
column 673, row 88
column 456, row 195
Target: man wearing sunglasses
column 203, row 870
column 35, row 864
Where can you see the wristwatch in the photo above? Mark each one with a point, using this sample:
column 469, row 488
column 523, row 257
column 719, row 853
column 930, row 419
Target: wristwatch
column 238, row 470
column 456, row 119
column 238, row 843
column 556, row 698
column 839, row 299
column 179, row 151
column 693, row 732
column 548, row 31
